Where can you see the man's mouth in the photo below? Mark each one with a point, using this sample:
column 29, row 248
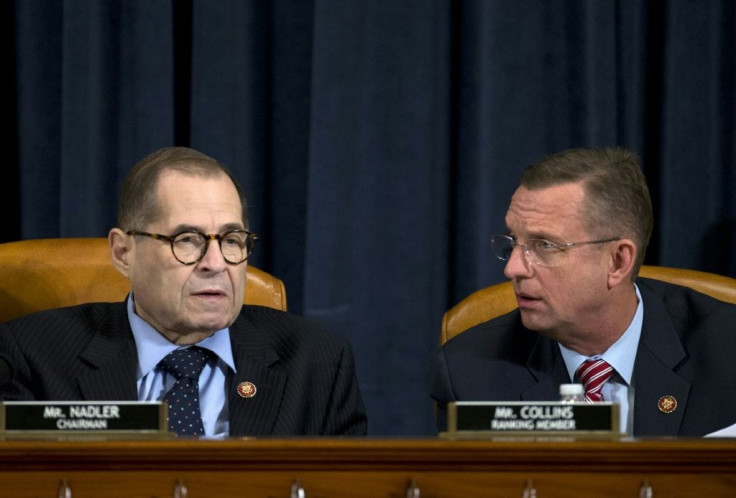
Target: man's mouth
column 525, row 300
column 210, row 293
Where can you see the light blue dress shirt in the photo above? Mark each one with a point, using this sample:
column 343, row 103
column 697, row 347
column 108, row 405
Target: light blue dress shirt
column 621, row 356
column 153, row 383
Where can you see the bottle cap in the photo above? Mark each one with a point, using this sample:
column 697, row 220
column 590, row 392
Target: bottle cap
column 571, row 390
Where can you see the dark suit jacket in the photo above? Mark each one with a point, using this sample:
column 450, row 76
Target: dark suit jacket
column 687, row 350
column 305, row 378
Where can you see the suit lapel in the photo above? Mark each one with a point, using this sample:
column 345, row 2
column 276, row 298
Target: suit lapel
column 546, row 365
column 660, row 352
column 111, row 354
column 254, row 357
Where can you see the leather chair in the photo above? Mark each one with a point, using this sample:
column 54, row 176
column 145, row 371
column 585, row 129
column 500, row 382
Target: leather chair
column 41, row 274
column 499, row 299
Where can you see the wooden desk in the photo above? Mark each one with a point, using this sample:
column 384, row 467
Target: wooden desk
column 368, row 467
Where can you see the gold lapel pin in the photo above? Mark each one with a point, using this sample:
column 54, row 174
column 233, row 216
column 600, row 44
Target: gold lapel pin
column 247, row 389
column 667, row 404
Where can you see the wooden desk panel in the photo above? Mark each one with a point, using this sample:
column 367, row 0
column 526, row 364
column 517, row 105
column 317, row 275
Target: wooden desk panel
column 368, row 467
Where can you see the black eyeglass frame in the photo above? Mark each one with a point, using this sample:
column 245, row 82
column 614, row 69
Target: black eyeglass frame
column 252, row 237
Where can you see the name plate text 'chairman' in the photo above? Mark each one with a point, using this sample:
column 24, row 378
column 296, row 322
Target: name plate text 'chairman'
column 83, row 416
column 487, row 417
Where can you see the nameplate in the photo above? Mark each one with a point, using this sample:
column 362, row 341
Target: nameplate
column 83, row 416
column 481, row 417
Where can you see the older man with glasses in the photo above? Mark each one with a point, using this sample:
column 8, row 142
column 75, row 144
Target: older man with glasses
column 578, row 228
column 183, row 334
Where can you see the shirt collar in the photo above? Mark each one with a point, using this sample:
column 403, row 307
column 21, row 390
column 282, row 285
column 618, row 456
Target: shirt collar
column 152, row 347
column 621, row 355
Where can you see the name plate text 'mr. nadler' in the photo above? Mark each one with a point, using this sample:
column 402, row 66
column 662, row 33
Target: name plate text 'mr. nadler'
column 545, row 417
column 83, row 416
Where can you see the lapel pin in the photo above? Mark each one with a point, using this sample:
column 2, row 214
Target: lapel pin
column 667, row 404
column 246, row 389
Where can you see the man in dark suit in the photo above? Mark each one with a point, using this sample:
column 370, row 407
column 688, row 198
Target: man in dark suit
column 183, row 242
column 578, row 228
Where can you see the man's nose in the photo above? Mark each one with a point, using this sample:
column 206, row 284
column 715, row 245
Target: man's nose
column 213, row 258
column 518, row 264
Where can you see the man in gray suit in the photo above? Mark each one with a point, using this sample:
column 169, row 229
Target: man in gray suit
column 183, row 241
column 578, row 227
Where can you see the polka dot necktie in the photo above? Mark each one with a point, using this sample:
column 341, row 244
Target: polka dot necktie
column 185, row 417
column 593, row 374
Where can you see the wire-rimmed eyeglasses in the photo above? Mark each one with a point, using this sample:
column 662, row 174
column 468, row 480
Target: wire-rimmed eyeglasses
column 190, row 246
column 538, row 251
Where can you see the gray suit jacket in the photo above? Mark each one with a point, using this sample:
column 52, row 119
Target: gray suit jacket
column 687, row 350
column 305, row 377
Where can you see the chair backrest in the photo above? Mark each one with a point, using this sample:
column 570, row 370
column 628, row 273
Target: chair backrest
column 41, row 274
column 499, row 299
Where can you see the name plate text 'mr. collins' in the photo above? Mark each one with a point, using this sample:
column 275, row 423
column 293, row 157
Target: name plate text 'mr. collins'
column 541, row 417
column 83, row 416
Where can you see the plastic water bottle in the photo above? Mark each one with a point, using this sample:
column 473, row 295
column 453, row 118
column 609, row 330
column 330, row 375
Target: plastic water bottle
column 572, row 393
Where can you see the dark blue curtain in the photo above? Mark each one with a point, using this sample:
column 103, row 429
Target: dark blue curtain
column 378, row 142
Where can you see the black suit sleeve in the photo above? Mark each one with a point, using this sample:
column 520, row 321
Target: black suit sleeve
column 15, row 383
column 345, row 414
column 442, row 391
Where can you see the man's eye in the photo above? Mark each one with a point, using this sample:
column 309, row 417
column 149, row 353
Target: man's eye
column 234, row 241
column 187, row 240
column 545, row 245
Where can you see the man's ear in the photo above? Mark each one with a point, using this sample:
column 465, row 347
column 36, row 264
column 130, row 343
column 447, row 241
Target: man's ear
column 122, row 250
column 622, row 261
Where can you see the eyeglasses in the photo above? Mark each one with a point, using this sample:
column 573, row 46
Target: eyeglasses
column 538, row 251
column 190, row 246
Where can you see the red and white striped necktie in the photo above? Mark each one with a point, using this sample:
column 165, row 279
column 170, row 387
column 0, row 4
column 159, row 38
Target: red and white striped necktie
column 593, row 374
